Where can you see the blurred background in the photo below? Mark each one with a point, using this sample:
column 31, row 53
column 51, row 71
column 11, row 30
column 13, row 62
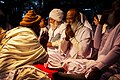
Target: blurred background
column 15, row 10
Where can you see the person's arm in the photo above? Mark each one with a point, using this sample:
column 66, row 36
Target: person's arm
column 109, row 60
column 112, row 56
column 98, row 36
column 64, row 46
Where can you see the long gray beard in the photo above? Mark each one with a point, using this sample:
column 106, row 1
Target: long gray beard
column 54, row 25
column 74, row 26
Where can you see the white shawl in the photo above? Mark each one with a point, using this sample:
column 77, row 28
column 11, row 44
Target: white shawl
column 20, row 47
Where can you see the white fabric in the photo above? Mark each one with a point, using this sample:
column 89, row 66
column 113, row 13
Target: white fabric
column 77, row 66
column 27, row 72
column 55, row 37
column 85, row 21
column 80, row 44
column 99, row 17
column 98, row 36
column 20, row 47
column 56, row 14
column 88, row 25
column 42, row 30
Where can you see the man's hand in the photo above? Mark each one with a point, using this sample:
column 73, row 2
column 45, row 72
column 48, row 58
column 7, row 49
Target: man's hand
column 69, row 32
column 49, row 44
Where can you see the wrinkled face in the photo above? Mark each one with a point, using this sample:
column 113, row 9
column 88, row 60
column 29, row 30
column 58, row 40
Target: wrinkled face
column 70, row 17
column 96, row 21
column 51, row 20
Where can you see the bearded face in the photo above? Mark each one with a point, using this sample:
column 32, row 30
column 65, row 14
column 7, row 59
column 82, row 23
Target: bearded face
column 53, row 23
column 74, row 26
column 71, row 19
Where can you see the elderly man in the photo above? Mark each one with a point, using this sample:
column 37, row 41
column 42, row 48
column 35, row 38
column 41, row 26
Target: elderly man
column 20, row 49
column 77, row 43
column 56, row 30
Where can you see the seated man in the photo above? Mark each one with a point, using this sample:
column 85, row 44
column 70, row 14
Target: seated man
column 57, row 27
column 20, row 49
column 77, row 43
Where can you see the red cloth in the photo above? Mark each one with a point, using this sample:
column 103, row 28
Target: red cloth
column 46, row 69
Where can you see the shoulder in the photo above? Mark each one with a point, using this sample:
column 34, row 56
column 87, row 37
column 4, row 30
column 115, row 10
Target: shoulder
column 63, row 27
column 64, row 24
column 18, row 30
column 84, row 28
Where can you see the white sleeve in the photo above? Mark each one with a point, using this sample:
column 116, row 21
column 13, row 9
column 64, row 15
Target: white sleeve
column 83, row 44
column 63, row 47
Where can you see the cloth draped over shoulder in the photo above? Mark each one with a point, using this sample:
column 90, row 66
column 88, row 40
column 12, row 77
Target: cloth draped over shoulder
column 20, row 47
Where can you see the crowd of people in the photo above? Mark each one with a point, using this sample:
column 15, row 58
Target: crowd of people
column 58, row 49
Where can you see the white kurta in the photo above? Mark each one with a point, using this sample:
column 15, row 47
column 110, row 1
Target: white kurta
column 55, row 37
column 80, row 44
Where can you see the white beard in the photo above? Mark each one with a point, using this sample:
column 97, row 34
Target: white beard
column 54, row 25
column 74, row 26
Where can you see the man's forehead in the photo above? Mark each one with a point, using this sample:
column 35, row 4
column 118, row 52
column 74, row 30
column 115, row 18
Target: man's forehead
column 71, row 13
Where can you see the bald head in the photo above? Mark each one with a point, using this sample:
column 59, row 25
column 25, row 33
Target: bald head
column 71, row 15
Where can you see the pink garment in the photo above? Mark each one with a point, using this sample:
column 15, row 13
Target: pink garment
column 111, row 49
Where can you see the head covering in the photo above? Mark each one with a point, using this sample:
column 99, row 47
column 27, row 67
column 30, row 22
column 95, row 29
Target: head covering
column 85, row 21
column 56, row 14
column 30, row 18
column 99, row 16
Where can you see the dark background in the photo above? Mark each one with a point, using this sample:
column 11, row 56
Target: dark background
column 14, row 10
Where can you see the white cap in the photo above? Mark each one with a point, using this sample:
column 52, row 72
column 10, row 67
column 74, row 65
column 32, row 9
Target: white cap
column 56, row 14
